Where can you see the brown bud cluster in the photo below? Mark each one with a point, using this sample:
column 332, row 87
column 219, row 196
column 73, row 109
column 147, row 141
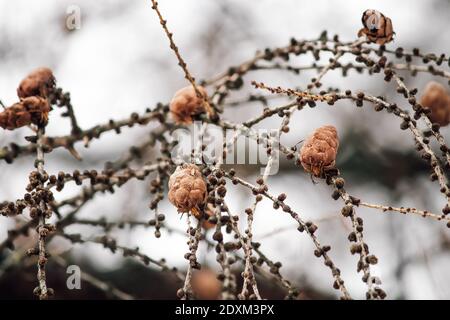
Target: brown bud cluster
column 186, row 104
column 29, row 110
column 318, row 152
column 437, row 99
column 187, row 189
column 37, row 83
column 377, row 27
column 209, row 214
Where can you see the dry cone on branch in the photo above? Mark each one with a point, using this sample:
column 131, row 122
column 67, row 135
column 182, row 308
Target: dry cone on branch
column 187, row 189
column 186, row 104
column 437, row 99
column 38, row 83
column 377, row 27
column 205, row 284
column 318, row 152
column 31, row 110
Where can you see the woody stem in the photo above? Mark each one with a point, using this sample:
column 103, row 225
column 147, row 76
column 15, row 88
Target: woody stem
column 42, row 259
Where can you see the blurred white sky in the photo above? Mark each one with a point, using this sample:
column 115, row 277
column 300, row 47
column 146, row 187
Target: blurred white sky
column 120, row 62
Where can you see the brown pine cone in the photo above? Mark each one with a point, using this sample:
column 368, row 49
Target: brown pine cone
column 437, row 99
column 318, row 152
column 205, row 284
column 29, row 110
column 37, row 83
column 377, row 27
column 185, row 104
column 187, row 189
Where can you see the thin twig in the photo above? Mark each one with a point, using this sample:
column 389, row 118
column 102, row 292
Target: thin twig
column 181, row 61
column 41, row 228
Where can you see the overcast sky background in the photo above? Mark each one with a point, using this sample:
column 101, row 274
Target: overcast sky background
column 120, row 62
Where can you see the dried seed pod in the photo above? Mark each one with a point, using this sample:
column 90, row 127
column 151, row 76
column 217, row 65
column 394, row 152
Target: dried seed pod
column 185, row 104
column 318, row 152
column 187, row 189
column 37, row 83
column 205, row 285
column 377, row 27
column 437, row 99
column 29, row 110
